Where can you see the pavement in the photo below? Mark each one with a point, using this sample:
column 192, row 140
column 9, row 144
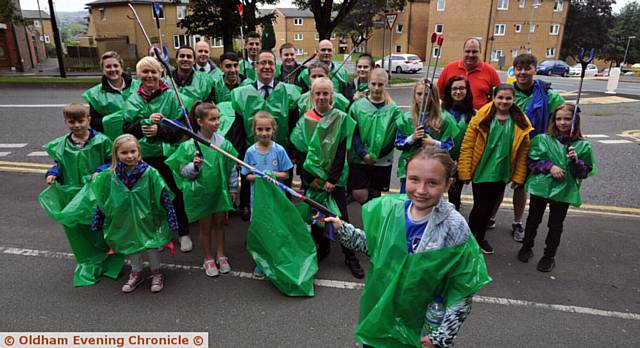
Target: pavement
column 592, row 298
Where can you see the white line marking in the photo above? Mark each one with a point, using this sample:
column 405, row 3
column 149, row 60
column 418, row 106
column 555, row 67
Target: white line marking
column 596, row 136
column 13, row 146
column 38, row 153
column 339, row 284
column 615, row 141
column 2, row 154
column 33, row 106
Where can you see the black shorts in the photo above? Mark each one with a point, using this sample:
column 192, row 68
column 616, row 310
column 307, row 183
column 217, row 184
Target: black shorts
column 362, row 176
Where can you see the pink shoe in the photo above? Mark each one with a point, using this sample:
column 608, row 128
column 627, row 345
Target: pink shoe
column 157, row 282
column 135, row 279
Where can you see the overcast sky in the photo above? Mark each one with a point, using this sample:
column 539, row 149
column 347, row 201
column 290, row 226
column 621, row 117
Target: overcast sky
column 79, row 5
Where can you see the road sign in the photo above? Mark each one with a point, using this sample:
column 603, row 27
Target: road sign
column 391, row 19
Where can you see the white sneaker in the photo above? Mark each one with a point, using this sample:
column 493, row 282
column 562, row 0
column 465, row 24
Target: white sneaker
column 223, row 265
column 186, row 245
column 210, row 268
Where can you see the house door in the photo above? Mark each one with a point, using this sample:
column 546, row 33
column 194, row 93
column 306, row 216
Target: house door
column 5, row 64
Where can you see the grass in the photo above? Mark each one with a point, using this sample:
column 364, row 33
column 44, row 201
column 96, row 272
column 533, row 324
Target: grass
column 48, row 80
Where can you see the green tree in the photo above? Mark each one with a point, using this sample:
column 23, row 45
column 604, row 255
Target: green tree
column 268, row 35
column 323, row 12
column 587, row 25
column 9, row 12
column 626, row 25
column 360, row 22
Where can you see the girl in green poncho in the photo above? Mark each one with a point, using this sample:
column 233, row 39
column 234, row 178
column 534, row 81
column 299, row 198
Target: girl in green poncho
column 209, row 183
column 420, row 248
column 435, row 129
column 134, row 211
column 558, row 161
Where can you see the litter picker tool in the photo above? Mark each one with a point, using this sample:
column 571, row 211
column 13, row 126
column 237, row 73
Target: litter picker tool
column 584, row 63
column 244, row 54
column 353, row 49
column 426, row 97
column 156, row 16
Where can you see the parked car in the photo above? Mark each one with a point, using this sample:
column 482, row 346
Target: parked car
column 636, row 69
column 401, row 62
column 603, row 73
column 549, row 67
column 592, row 70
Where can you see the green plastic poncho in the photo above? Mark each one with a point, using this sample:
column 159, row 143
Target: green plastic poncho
column 198, row 87
column 523, row 100
column 462, row 129
column 73, row 162
column 545, row 147
column 227, row 116
column 495, row 163
column 110, row 105
column 400, row 285
column 247, row 70
column 137, row 109
column 247, row 101
column 448, row 130
column 208, row 192
column 377, row 126
column 134, row 219
column 279, row 241
column 305, row 104
column 339, row 77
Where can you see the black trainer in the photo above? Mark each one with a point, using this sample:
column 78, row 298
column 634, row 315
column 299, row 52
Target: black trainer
column 546, row 264
column 245, row 214
column 525, row 254
column 485, row 247
column 354, row 265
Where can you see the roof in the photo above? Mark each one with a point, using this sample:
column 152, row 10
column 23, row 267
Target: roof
column 33, row 14
column 114, row 2
column 295, row 12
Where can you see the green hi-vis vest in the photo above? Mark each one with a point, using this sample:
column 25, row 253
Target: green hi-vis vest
column 134, row 219
column 138, row 109
column 495, row 163
column 73, row 207
column 73, row 162
column 545, row 147
column 110, row 106
column 400, row 285
column 279, row 241
column 339, row 77
column 227, row 116
column 247, row 70
column 448, row 130
column 247, row 101
column 377, row 126
column 305, row 104
column 209, row 191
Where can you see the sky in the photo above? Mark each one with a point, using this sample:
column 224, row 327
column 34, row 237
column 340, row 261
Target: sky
column 78, row 5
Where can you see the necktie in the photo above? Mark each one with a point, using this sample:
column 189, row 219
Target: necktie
column 202, row 69
column 265, row 91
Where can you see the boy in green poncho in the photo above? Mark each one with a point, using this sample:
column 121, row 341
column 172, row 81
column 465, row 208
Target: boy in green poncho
column 558, row 162
column 79, row 155
column 420, row 248
column 322, row 139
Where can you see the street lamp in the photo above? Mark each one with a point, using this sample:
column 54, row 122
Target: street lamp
column 624, row 60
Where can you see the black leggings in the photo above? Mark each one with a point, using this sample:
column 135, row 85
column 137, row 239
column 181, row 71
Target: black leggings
column 455, row 192
column 557, row 214
column 486, row 196
column 178, row 201
column 320, row 235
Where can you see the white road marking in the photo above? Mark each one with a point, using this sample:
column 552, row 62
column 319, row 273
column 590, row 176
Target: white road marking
column 339, row 284
column 2, row 154
column 38, row 153
column 33, row 106
column 619, row 141
column 13, row 146
column 596, row 136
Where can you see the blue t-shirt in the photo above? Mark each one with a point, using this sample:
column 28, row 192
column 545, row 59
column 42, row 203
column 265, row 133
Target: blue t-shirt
column 276, row 160
column 414, row 228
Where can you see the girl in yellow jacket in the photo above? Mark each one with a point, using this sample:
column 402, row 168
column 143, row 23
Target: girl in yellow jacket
column 494, row 153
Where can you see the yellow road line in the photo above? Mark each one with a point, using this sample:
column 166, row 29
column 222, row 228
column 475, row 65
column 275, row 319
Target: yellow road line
column 26, row 164
column 576, row 210
column 22, row 170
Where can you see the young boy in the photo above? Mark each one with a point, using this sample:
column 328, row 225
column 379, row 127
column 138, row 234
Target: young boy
column 78, row 157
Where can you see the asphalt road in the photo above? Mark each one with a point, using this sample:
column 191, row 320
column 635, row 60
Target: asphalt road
column 592, row 298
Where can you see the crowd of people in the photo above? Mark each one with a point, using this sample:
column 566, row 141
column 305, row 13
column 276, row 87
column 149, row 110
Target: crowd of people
column 125, row 181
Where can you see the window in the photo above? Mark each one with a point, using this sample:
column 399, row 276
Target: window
column 499, row 29
column 196, row 39
column 316, row 36
column 503, row 4
column 514, row 52
column 558, row 6
column 181, row 11
column 161, row 15
column 537, row 3
column 103, row 13
column 441, row 5
column 298, row 36
column 518, row 28
column 217, row 42
column 333, row 36
column 532, row 28
column 551, row 52
column 299, row 51
column 46, row 39
column 496, row 54
column 399, row 28
column 436, row 52
column 398, row 49
column 554, row 29
column 439, row 28
column 297, row 21
column 528, row 50
column 37, row 23
column 180, row 40
column 522, row 3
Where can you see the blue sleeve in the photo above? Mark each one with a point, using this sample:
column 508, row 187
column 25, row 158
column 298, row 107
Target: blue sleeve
column 248, row 158
column 103, row 167
column 54, row 170
column 402, row 141
column 283, row 160
column 446, row 145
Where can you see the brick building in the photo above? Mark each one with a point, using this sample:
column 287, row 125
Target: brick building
column 18, row 45
column 41, row 25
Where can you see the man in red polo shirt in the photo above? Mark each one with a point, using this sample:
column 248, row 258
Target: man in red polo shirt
column 482, row 76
